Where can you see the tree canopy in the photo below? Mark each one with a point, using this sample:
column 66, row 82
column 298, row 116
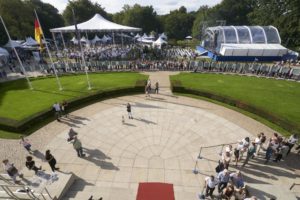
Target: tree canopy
column 19, row 18
column 84, row 10
column 138, row 16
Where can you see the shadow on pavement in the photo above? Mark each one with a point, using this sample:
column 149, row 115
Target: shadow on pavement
column 98, row 158
column 145, row 121
column 261, row 195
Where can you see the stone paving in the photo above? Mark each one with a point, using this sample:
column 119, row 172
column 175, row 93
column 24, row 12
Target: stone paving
column 160, row 144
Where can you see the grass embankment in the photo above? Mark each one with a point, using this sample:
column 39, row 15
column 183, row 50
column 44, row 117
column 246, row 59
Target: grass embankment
column 18, row 102
column 278, row 97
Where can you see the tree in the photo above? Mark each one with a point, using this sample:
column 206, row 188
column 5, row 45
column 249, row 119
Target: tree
column 178, row 24
column 84, row 10
column 284, row 15
column 138, row 16
column 18, row 19
column 200, row 22
column 48, row 15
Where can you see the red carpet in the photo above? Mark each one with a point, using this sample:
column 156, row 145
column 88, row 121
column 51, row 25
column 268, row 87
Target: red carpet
column 155, row 191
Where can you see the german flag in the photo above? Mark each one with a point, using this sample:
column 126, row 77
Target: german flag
column 38, row 32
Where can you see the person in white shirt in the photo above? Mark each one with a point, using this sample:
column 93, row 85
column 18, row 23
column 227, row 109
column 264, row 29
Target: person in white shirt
column 210, row 184
column 291, row 142
column 56, row 107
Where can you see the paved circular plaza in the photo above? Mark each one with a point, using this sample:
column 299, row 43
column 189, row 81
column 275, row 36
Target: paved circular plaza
column 160, row 144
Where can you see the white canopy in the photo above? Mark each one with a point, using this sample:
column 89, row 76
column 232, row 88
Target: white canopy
column 3, row 53
column 144, row 40
column 145, row 35
column 105, row 38
column 163, row 36
column 159, row 42
column 97, row 23
column 96, row 39
column 13, row 44
column 83, row 39
column 74, row 40
column 252, row 50
column 137, row 36
column 30, row 42
column 189, row 37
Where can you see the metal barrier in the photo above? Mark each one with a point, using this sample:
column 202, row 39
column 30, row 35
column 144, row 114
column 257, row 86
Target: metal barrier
column 196, row 168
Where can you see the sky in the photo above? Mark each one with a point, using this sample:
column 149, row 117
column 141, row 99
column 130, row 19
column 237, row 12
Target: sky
column 160, row 6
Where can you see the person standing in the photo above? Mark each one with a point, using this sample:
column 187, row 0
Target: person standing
column 129, row 111
column 250, row 153
column 64, row 106
column 57, row 111
column 51, row 160
column 237, row 179
column 291, row 142
column 12, row 171
column 30, row 164
column 210, row 184
column 26, row 144
column 223, row 178
column 156, row 87
column 78, row 147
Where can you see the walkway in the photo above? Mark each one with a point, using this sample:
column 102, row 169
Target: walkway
column 160, row 144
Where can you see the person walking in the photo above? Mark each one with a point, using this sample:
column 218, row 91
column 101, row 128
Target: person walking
column 156, row 87
column 71, row 134
column 12, row 171
column 250, row 153
column 51, row 160
column 210, row 184
column 30, row 164
column 223, row 178
column 78, row 147
column 26, row 144
column 57, row 110
column 129, row 111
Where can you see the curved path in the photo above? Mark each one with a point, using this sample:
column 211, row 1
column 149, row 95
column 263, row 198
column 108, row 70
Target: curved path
column 160, row 144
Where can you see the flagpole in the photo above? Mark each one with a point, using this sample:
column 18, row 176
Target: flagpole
column 50, row 56
column 81, row 52
column 19, row 60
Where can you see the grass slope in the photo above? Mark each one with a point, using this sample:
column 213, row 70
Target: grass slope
column 18, row 102
column 279, row 97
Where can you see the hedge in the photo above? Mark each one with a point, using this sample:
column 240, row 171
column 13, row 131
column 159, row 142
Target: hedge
column 39, row 119
column 285, row 124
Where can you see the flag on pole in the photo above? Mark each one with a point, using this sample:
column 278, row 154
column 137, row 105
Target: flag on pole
column 38, row 32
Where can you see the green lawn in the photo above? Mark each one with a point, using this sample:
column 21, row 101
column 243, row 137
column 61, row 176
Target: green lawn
column 280, row 97
column 17, row 101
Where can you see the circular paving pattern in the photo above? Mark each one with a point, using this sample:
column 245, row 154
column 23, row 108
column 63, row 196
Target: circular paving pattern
column 160, row 144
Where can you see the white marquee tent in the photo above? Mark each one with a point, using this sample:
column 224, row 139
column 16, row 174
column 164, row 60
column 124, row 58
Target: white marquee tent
column 13, row 44
column 30, row 42
column 96, row 39
column 96, row 24
column 159, row 42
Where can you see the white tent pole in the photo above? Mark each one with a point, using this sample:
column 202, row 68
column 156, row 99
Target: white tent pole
column 49, row 54
column 54, row 39
column 19, row 60
column 81, row 52
column 63, row 40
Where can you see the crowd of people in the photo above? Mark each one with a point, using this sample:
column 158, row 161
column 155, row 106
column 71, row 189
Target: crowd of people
column 231, row 184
